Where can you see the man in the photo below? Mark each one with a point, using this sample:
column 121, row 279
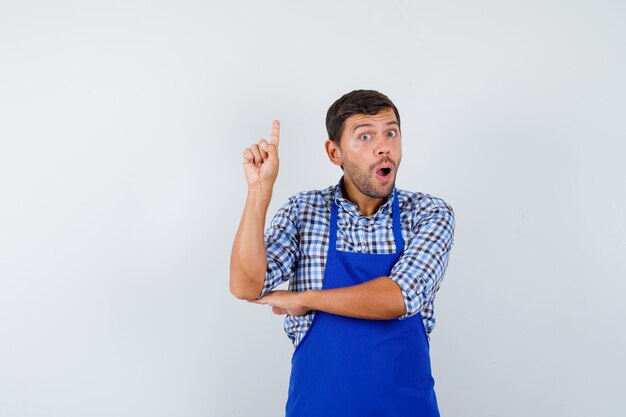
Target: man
column 364, row 262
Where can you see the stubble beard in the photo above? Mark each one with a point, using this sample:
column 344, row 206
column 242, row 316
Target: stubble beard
column 363, row 180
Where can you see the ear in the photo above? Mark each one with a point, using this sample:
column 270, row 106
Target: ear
column 334, row 152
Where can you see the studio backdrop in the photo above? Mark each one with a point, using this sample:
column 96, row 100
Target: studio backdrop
column 122, row 126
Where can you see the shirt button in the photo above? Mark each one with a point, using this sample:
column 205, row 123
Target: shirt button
column 359, row 248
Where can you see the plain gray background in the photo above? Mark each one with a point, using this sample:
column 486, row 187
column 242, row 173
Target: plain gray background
column 121, row 130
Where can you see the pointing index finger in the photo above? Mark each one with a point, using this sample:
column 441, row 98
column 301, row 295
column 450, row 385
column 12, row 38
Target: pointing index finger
column 274, row 138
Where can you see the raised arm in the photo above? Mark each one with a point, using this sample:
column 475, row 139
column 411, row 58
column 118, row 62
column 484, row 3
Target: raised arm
column 248, row 262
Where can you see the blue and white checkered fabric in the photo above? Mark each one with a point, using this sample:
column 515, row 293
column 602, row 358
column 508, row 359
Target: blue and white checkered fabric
column 297, row 245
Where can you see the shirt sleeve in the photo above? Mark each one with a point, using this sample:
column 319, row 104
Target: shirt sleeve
column 282, row 246
column 421, row 268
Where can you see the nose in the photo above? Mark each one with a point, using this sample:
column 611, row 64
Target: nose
column 382, row 150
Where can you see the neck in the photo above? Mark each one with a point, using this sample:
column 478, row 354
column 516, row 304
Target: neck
column 367, row 205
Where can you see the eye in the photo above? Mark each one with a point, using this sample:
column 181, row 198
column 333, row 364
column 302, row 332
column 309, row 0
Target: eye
column 392, row 133
column 365, row 136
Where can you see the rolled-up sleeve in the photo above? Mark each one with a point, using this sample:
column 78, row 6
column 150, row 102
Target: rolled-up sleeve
column 281, row 245
column 421, row 268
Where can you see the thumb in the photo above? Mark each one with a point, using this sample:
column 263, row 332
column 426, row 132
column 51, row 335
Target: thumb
column 272, row 151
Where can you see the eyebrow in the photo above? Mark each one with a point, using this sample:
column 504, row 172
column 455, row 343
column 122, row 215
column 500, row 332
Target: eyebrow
column 394, row 122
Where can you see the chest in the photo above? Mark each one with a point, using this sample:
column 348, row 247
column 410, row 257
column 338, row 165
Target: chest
column 358, row 234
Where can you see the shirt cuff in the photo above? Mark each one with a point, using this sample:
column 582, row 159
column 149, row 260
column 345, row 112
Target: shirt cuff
column 411, row 303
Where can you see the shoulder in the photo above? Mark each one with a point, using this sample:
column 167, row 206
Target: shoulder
column 427, row 217
column 421, row 205
column 312, row 199
column 308, row 204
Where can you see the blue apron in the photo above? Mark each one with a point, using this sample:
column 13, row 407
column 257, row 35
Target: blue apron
column 348, row 367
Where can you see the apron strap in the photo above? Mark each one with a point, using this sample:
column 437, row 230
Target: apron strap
column 332, row 245
column 397, row 223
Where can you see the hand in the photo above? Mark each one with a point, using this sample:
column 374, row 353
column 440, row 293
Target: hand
column 284, row 302
column 260, row 161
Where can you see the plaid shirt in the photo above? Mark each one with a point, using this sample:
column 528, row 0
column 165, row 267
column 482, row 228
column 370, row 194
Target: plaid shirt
column 297, row 245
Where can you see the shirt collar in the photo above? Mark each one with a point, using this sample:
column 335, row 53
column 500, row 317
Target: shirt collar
column 352, row 209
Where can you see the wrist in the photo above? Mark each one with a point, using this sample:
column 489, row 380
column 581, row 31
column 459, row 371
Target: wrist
column 307, row 299
column 260, row 194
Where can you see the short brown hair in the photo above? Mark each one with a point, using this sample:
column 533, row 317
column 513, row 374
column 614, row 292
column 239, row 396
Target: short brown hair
column 355, row 102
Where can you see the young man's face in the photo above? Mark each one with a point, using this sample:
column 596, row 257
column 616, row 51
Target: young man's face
column 370, row 150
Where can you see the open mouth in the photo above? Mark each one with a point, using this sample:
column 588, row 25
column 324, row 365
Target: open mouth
column 383, row 172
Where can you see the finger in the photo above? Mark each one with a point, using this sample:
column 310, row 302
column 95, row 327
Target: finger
column 275, row 136
column 278, row 310
column 248, row 156
column 257, row 154
column 263, row 148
